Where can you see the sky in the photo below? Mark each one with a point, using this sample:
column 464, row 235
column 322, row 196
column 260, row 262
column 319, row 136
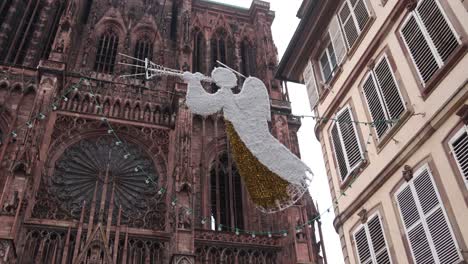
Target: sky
column 283, row 28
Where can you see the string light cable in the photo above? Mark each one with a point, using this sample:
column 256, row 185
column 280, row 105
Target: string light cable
column 150, row 179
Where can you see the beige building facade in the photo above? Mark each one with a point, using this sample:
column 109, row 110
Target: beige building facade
column 388, row 81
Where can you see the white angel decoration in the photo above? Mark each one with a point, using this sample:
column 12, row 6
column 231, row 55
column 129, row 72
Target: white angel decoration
column 275, row 178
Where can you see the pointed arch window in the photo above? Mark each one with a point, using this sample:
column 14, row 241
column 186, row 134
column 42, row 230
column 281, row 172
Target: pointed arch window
column 23, row 37
column 248, row 58
column 106, row 52
column 226, row 194
column 222, row 48
column 143, row 50
column 198, row 52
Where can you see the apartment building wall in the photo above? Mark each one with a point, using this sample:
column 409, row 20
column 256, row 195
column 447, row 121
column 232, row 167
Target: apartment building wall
column 415, row 150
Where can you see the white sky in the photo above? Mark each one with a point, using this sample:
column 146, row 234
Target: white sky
column 284, row 25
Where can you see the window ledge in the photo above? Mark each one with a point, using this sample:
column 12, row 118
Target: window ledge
column 325, row 88
column 380, row 144
column 439, row 75
column 354, row 174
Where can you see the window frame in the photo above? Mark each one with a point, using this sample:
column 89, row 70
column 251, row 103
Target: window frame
column 102, row 54
column 353, row 16
column 455, row 137
column 423, row 216
column 350, row 169
column 371, row 73
column 371, row 246
column 333, row 70
column 451, row 61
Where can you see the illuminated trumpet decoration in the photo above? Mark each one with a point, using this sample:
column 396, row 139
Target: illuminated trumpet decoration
column 152, row 69
column 274, row 177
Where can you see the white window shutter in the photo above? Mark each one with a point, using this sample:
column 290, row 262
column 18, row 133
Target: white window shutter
column 459, row 146
column 429, row 37
column 437, row 223
column 375, row 105
column 361, row 13
column 311, row 84
column 348, row 24
column 349, row 138
column 362, row 246
column 419, row 49
column 339, row 152
column 377, row 237
column 428, row 229
column 370, row 242
column 389, row 89
column 440, row 30
column 337, row 40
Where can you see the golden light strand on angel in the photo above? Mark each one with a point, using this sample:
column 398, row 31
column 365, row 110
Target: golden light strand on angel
column 275, row 178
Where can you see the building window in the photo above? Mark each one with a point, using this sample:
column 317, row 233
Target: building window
column 198, row 52
column 334, row 52
column 106, row 52
column 427, row 228
column 459, row 147
column 328, row 62
column 248, row 58
column 370, row 242
column 429, row 38
column 348, row 150
column 383, row 96
column 353, row 15
column 143, row 50
column 23, row 39
column 222, row 48
column 226, row 194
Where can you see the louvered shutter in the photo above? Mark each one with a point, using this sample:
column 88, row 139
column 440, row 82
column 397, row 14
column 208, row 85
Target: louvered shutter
column 370, row 242
column 429, row 37
column 339, row 153
column 353, row 15
column 375, row 105
column 437, row 25
column 459, row 146
column 389, row 89
column 362, row 246
column 311, row 84
column 350, row 140
column 379, row 245
column 419, row 49
column 348, row 23
column 337, row 40
column 427, row 227
column 361, row 13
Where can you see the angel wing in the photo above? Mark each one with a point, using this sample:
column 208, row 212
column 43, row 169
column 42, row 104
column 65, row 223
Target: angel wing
column 254, row 99
column 198, row 100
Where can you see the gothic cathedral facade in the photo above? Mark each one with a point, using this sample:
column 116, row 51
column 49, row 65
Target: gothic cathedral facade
column 99, row 168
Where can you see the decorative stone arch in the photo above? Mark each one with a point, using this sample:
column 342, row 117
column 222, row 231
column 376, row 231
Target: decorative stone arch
column 4, row 84
column 17, row 87
column 116, row 108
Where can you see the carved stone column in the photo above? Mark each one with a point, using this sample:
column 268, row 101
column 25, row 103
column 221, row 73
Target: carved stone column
column 183, row 238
